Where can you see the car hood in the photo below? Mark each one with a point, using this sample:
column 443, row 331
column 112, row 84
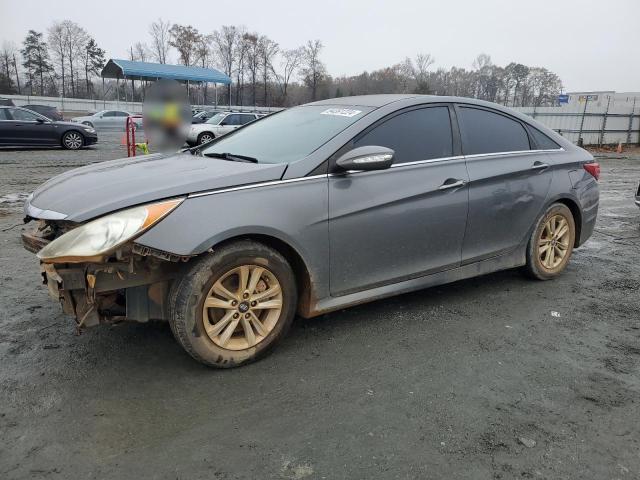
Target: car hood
column 100, row 188
column 67, row 124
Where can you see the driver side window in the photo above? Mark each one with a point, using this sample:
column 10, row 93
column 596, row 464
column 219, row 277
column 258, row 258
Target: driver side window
column 420, row 134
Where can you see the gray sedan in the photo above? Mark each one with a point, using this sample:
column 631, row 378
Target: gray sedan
column 311, row 210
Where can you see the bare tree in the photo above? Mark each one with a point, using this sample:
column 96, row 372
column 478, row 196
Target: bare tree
column 253, row 61
column 225, row 41
column 421, row 73
column 159, row 31
column 184, row 39
column 6, row 58
column 57, row 43
column 74, row 39
column 242, row 47
column 290, row 61
column 204, row 56
column 313, row 69
column 268, row 50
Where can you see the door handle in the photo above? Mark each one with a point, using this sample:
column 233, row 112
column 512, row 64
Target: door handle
column 452, row 183
column 539, row 166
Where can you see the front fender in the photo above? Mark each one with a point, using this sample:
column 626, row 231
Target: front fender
column 293, row 212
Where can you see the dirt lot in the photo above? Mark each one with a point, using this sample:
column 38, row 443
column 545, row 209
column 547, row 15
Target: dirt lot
column 495, row 377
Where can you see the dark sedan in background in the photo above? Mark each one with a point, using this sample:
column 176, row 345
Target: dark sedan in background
column 22, row 127
column 49, row 112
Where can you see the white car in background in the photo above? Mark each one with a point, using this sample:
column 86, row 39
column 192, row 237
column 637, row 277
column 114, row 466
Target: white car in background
column 218, row 125
column 106, row 120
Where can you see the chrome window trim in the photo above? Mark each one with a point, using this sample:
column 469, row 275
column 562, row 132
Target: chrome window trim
column 256, row 185
column 515, row 152
column 398, row 165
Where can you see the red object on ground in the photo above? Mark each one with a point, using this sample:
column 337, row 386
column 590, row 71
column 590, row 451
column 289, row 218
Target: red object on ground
column 593, row 169
column 130, row 132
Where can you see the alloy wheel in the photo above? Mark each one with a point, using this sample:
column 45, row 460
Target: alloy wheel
column 73, row 140
column 242, row 307
column 553, row 244
column 205, row 138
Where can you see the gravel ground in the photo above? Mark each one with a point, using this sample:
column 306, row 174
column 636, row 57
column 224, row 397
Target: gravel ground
column 494, row 377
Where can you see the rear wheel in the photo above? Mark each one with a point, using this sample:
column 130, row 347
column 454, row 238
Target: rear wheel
column 234, row 305
column 72, row 140
column 551, row 243
column 205, row 137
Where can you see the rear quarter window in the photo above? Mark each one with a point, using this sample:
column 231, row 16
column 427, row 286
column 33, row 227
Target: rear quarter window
column 542, row 141
column 484, row 131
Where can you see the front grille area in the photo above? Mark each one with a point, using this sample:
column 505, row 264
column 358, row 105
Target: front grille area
column 39, row 233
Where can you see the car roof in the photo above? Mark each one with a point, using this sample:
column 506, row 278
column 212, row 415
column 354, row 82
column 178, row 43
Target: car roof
column 378, row 100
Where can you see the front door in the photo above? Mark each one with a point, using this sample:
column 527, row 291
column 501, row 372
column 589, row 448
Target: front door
column 408, row 221
column 31, row 129
column 508, row 182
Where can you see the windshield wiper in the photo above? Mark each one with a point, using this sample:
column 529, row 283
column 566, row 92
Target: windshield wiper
column 232, row 157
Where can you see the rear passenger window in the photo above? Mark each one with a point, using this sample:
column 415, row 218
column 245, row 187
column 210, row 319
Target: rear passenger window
column 4, row 114
column 414, row 135
column 488, row 132
column 542, row 141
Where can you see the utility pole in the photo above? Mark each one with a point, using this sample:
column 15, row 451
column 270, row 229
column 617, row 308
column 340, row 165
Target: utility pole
column 633, row 110
column 604, row 121
column 586, row 102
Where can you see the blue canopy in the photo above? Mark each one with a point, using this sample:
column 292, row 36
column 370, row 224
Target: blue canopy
column 117, row 68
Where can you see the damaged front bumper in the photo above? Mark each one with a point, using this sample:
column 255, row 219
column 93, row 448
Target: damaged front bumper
column 131, row 284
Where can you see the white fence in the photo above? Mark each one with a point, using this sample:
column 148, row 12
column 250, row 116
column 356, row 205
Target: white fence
column 82, row 105
column 596, row 125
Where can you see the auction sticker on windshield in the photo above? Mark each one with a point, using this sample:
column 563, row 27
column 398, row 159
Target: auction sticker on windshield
column 341, row 112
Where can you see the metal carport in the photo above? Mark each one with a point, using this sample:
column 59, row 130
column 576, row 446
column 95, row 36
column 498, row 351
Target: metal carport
column 131, row 70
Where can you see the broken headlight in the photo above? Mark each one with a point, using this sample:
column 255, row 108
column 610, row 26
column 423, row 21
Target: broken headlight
column 104, row 234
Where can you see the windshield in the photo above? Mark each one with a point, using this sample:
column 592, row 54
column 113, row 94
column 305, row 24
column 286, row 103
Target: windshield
column 289, row 135
column 216, row 119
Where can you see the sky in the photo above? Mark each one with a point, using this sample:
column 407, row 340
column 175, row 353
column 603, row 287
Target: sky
column 591, row 45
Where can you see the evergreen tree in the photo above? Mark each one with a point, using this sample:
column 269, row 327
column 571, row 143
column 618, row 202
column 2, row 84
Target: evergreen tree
column 36, row 59
column 93, row 62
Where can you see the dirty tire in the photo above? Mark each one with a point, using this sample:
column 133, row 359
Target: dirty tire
column 189, row 292
column 538, row 266
column 205, row 137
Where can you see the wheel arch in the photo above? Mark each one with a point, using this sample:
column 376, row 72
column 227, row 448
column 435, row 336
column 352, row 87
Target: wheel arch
column 203, row 132
column 572, row 205
column 301, row 271
column 73, row 129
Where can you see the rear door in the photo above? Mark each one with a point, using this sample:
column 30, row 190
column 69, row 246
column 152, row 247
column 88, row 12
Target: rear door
column 391, row 225
column 508, row 181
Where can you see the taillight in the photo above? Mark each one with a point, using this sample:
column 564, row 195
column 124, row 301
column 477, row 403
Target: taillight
column 593, row 169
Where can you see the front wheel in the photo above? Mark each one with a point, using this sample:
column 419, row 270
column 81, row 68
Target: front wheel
column 205, row 137
column 72, row 140
column 551, row 243
column 233, row 306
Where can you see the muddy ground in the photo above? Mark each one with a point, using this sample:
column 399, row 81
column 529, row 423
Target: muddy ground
column 495, row 377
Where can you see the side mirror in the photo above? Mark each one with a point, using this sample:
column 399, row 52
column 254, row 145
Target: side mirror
column 366, row 158
column 40, row 120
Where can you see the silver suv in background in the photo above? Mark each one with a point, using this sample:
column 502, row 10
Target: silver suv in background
column 218, row 125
